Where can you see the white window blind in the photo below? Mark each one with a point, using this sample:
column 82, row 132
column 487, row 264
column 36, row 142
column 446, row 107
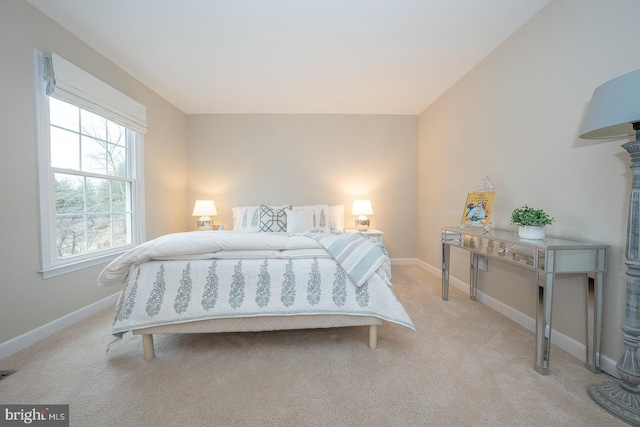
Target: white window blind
column 75, row 85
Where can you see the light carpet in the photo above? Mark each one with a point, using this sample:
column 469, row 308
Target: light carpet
column 465, row 366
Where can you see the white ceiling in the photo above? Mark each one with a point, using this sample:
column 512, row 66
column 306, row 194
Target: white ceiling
column 294, row 56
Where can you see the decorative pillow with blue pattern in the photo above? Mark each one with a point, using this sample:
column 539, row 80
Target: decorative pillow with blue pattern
column 273, row 220
column 320, row 216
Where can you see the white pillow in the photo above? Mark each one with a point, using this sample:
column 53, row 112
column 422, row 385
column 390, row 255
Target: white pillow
column 299, row 221
column 246, row 218
column 336, row 215
column 320, row 216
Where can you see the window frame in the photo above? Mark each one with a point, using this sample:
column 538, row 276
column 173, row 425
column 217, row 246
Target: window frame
column 51, row 264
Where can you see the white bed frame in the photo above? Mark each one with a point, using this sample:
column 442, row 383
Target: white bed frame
column 260, row 323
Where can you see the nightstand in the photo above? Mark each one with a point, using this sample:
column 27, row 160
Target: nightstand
column 372, row 233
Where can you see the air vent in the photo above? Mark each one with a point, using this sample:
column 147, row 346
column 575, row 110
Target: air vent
column 5, row 374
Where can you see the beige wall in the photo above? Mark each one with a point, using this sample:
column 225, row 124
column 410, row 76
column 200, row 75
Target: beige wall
column 516, row 116
column 26, row 300
column 310, row 159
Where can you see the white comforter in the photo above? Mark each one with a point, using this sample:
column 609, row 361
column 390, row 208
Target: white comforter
column 210, row 245
column 347, row 249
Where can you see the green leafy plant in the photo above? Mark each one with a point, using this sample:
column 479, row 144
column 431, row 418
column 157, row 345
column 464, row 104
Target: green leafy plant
column 530, row 216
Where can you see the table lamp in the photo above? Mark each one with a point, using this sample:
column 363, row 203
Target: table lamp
column 205, row 209
column 614, row 112
column 362, row 208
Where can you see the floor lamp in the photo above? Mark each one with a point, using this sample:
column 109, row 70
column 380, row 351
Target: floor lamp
column 614, row 112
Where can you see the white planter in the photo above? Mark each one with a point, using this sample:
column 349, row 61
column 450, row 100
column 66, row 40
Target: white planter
column 531, row 232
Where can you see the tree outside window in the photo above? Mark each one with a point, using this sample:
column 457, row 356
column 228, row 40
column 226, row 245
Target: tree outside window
column 93, row 185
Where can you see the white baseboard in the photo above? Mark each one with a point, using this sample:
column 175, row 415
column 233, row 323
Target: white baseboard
column 568, row 344
column 430, row 268
column 20, row 342
column 404, row 261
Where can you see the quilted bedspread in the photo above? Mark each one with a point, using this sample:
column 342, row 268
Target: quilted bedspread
column 194, row 276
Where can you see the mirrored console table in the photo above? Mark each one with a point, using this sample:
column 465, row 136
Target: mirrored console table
column 546, row 258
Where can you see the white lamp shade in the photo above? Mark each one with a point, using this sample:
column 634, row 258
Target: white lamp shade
column 362, row 207
column 205, row 208
column 614, row 107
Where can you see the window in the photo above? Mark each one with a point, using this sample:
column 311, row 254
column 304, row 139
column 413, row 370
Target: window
column 90, row 157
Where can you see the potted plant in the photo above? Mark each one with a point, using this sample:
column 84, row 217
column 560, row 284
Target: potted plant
column 531, row 222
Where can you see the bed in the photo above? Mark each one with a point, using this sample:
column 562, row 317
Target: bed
column 296, row 270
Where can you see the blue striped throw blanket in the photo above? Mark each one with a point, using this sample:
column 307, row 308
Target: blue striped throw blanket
column 358, row 256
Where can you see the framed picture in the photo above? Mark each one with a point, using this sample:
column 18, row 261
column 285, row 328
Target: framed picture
column 478, row 208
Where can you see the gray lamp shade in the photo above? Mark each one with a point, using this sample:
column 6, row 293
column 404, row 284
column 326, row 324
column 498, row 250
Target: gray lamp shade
column 614, row 107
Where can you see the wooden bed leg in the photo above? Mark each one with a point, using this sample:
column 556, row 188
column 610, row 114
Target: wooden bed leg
column 373, row 336
column 147, row 346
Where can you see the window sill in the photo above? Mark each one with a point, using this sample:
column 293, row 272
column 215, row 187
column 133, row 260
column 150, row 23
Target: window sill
column 50, row 272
